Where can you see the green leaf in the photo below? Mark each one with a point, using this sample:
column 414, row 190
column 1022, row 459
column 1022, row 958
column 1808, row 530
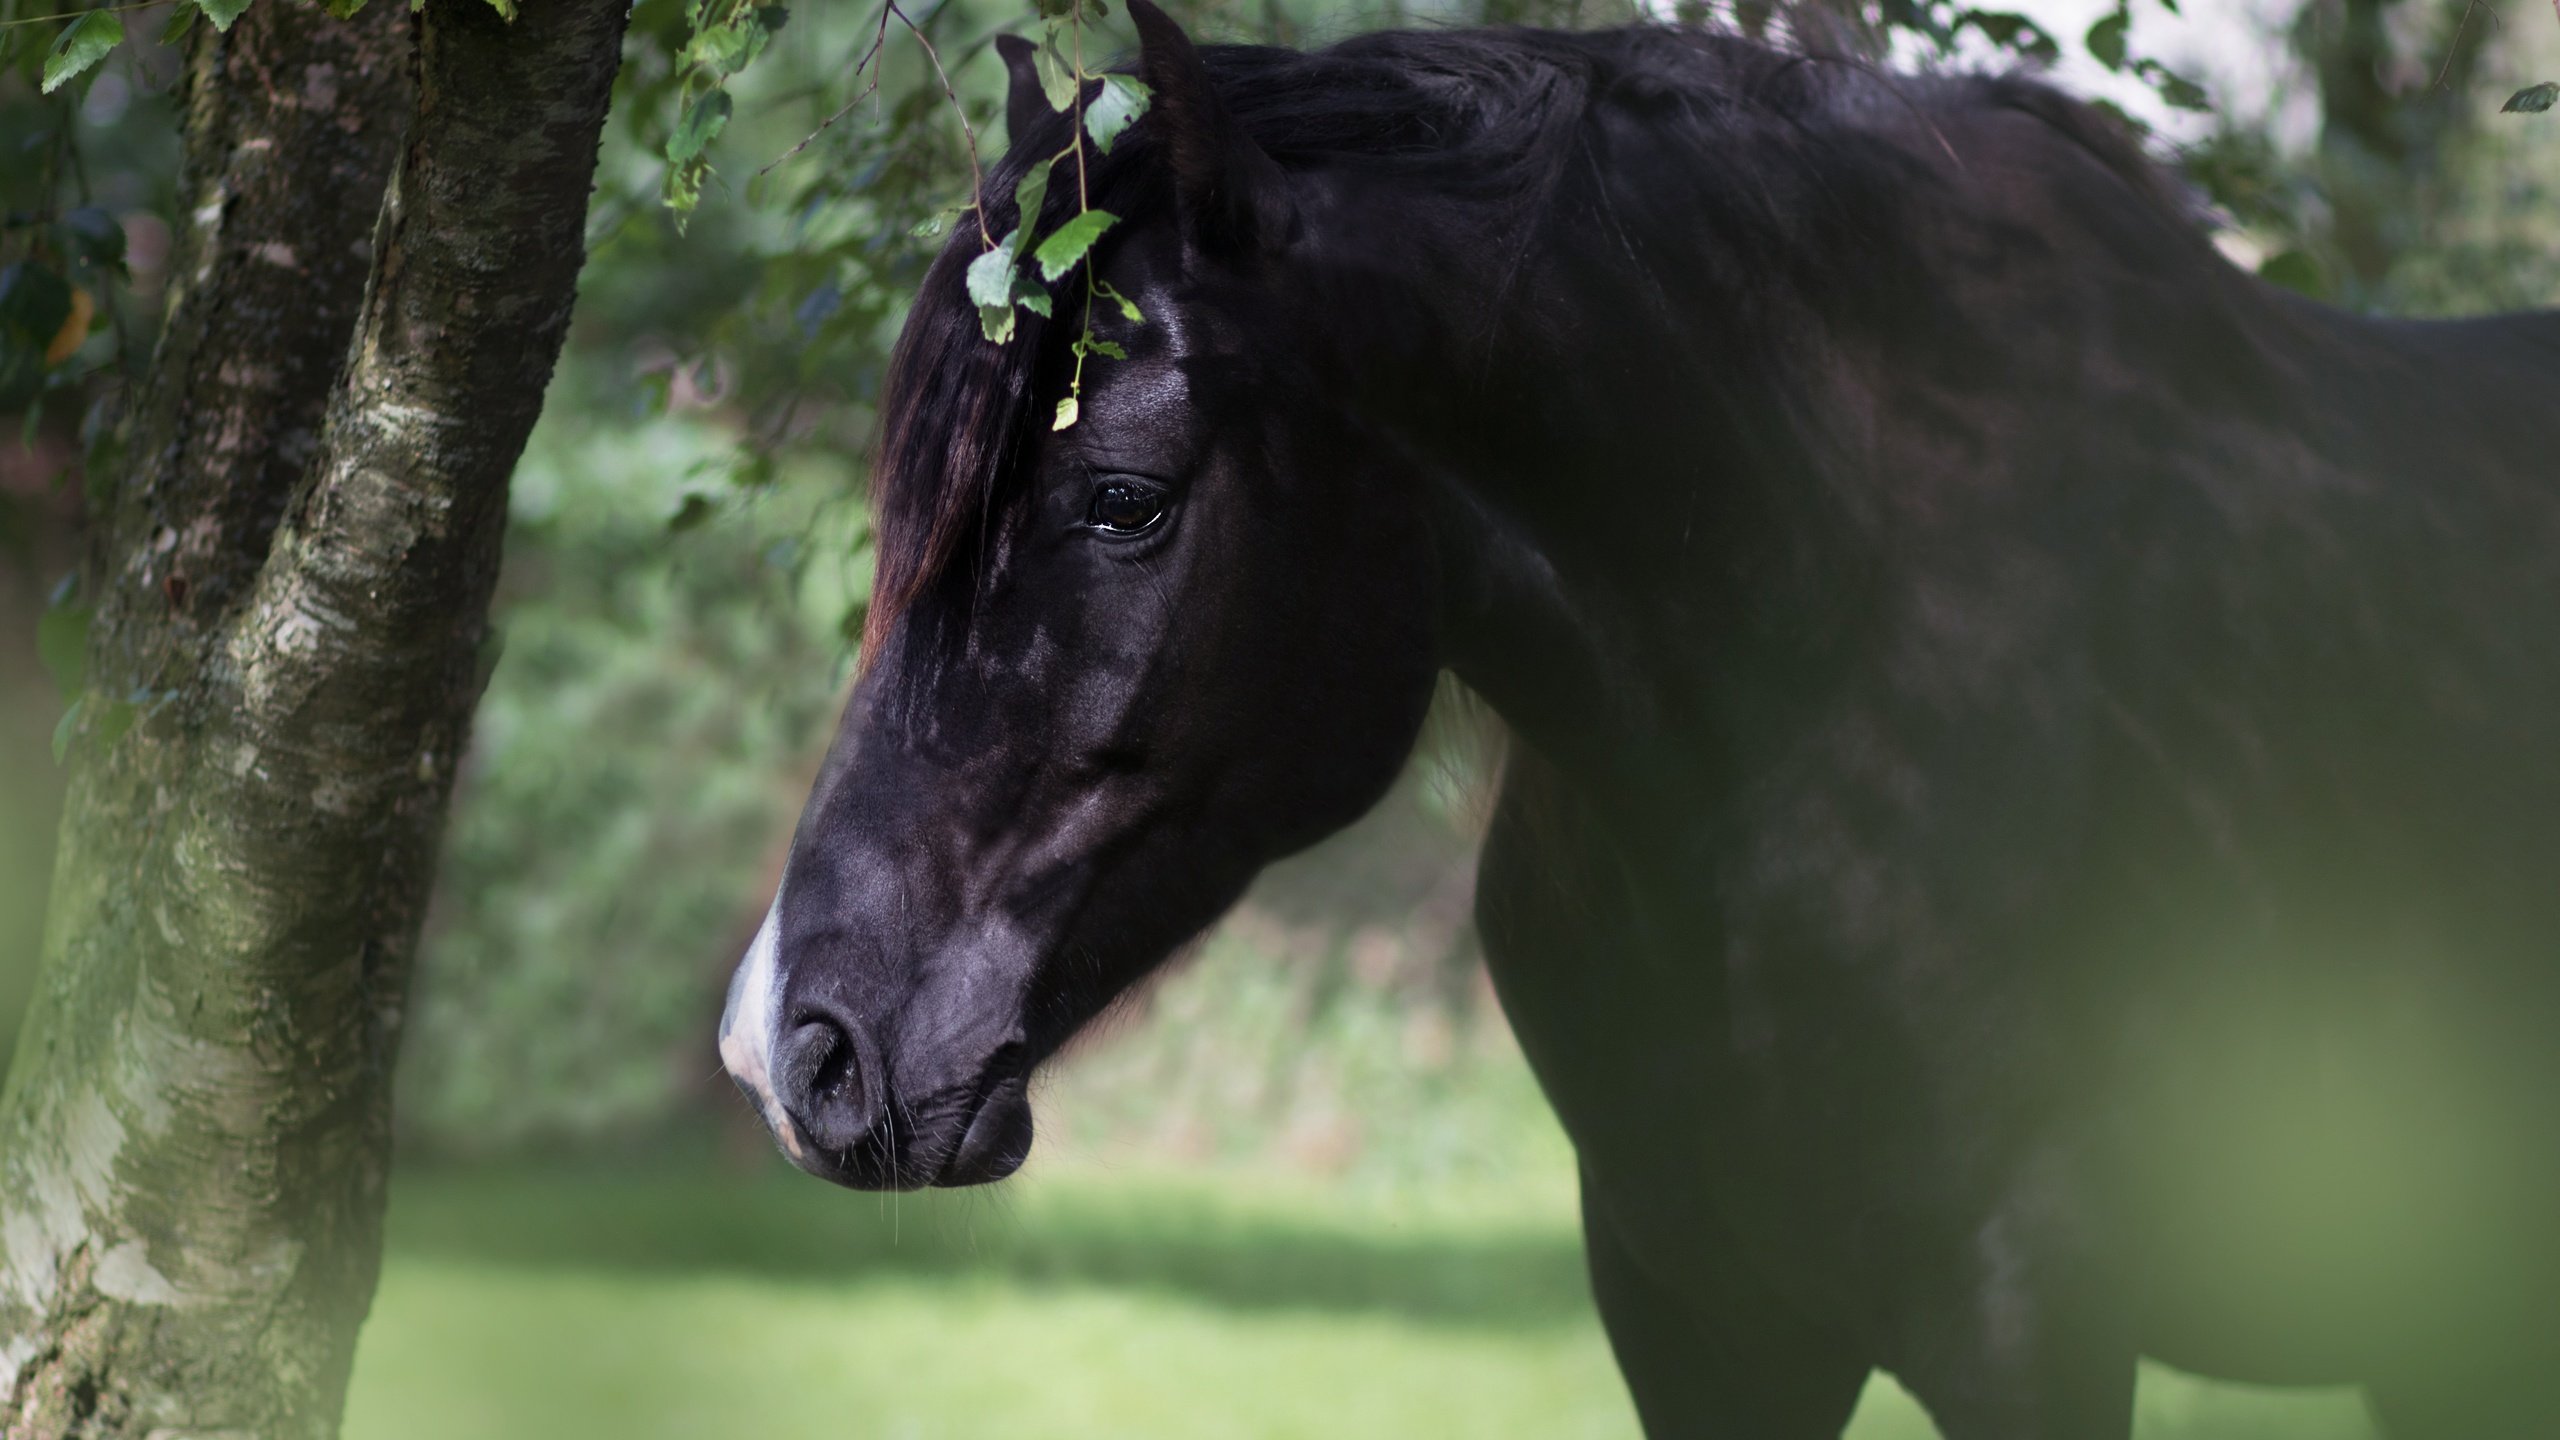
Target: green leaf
column 62, row 642
column 2107, row 39
column 1066, row 414
column 2533, row 99
column 993, row 283
column 83, row 45
column 1128, row 308
column 991, row 274
column 996, row 281
column 1028, row 197
column 1118, row 104
column 759, row 34
column 684, row 189
column 1057, row 78
column 722, row 47
column 1096, row 345
column 734, row 44
column 349, row 9
column 65, row 728
column 703, row 121
column 1068, row 243
column 222, row 12
column 182, row 18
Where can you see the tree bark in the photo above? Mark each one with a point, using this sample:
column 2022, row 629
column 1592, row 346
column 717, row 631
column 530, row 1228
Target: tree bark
column 194, row 1137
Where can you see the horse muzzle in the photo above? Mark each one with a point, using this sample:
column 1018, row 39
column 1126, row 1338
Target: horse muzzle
column 823, row 1085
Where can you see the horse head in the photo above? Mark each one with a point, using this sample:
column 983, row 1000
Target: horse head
column 1112, row 670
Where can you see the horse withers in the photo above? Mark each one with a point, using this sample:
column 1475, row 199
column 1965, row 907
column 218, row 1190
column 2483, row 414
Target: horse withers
column 2028, row 839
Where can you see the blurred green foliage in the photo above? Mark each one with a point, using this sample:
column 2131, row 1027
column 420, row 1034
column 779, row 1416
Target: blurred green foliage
column 87, row 179
column 636, row 758
column 2496, row 246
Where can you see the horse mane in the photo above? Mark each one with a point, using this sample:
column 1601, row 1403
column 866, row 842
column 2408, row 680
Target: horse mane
column 1492, row 120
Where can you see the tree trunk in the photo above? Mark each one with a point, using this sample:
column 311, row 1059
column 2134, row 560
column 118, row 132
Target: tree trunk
column 289, row 616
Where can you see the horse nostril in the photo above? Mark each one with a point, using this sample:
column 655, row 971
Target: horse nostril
column 819, row 1081
column 836, row 1074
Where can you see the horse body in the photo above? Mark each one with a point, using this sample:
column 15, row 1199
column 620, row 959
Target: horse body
column 2106, row 782
column 2026, row 839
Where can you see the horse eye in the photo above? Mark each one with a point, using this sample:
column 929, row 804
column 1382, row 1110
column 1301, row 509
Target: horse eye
column 1121, row 507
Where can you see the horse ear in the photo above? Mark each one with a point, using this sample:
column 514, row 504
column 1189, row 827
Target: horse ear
column 1025, row 102
column 1233, row 196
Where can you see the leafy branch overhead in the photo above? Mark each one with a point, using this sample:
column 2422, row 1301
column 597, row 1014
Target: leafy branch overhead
column 999, row 279
column 727, row 37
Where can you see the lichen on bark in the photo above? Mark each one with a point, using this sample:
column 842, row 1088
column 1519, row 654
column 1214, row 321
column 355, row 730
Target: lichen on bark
column 194, row 1136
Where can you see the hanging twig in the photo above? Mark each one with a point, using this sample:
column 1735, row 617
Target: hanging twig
column 879, row 39
column 968, row 132
column 76, row 14
column 2455, row 49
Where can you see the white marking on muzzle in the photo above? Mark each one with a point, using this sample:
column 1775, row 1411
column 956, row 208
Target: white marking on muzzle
column 748, row 1024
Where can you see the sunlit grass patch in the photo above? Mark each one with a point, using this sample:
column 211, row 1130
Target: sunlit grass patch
column 467, row 1350
column 1075, row 1305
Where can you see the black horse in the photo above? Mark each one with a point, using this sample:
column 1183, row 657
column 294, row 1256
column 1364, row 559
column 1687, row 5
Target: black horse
column 2032, row 828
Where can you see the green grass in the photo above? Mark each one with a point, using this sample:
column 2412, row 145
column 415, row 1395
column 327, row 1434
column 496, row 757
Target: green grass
column 712, row 1356
column 1076, row 1304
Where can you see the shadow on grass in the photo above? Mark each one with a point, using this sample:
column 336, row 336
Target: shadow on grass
column 1197, row 1243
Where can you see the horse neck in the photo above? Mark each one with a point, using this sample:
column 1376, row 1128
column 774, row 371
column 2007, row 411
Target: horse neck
column 1564, row 601
column 1673, row 469
column 1602, row 490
